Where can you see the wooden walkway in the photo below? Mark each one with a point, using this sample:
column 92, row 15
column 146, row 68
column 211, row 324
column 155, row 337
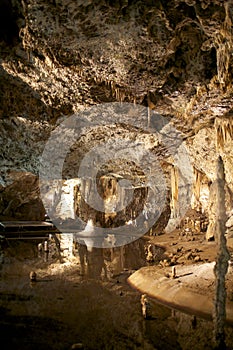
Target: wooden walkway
column 27, row 229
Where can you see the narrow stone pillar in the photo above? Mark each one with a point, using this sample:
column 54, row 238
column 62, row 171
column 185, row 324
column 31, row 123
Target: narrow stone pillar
column 174, row 192
column 221, row 266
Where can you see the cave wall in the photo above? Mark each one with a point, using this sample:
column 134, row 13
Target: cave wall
column 20, row 200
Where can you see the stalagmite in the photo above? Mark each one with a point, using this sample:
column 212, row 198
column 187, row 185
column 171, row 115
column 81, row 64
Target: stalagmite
column 150, row 253
column 146, row 307
column 173, row 272
column 174, row 192
column 221, row 266
column 46, row 250
column 148, row 117
column 40, row 250
column 32, row 276
column 210, row 233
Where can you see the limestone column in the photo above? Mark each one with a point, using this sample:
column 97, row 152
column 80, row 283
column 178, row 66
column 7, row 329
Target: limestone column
column 221, row 266
column 174, row 192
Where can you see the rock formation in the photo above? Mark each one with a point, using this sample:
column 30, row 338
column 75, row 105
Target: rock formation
column 221, row 266
column 61, row 57
column 21, row 200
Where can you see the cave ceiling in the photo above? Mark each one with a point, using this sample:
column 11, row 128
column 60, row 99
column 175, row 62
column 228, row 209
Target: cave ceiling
column 61, row 57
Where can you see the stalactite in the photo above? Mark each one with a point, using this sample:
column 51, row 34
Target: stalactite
column 224, row 131
column 148, row 117
column 198, row 177
column 224, row 45
column 123, row 96
column 121, row 93
column 102, row 181
column 86, row 189
column 113, row 186
column 116, row 93
column 108, row 186
column 77, row 199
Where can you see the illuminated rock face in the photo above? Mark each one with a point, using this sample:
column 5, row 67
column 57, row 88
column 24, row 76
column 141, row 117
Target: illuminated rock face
column 116, row 212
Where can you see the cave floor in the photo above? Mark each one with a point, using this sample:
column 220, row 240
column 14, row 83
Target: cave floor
column 63, row 308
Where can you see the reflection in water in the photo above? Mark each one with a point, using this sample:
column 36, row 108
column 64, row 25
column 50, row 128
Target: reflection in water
column 171, row 329
column 96, row 264
column 82, row 252
column 107, row 262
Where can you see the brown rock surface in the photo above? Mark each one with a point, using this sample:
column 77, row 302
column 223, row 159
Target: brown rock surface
column 21, row 199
